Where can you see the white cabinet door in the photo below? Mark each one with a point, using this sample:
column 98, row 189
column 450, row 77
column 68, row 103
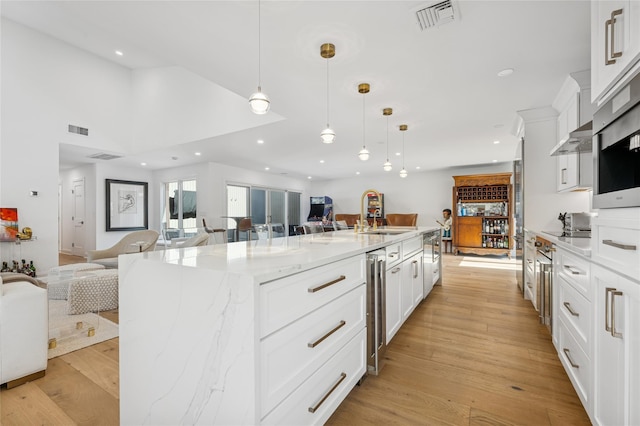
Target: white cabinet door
column 417, row 279
column 392, row 293
column 568, row 167
column 615, row 42
column 406, row 283
column 617, row 349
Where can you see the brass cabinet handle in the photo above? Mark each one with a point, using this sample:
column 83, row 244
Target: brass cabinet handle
column 566, row 353
column 571, row 311
column 612, row 243
column 324, row 398
column 325, row 285
column 333, row 330
column 529, row 284
column 614, row 333
column 613, row 52
column 394, row 254
column 607, row 290
column 573, row 270
column 395, row 270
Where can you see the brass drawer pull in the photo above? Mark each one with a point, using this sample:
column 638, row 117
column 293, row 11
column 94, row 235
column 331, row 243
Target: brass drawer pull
column 571, row 311
column 320, row 340
column 324, row 398
column 325, row 285
column 394, row 254
column 395, row 270
column 614, row 293
column 566, row 353
column 573, row 270
column 612, row 243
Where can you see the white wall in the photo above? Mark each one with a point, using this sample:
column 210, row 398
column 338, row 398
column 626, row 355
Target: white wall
column 426, row 193
column 47, row 85
column 542, row 203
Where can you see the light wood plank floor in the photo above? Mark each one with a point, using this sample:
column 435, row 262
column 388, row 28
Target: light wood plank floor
column 473, row 353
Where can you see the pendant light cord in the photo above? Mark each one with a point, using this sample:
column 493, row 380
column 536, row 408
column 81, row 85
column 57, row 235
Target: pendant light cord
column 363, row 137
column 259, row 48
column 327, row 92
column 387, row 138
column 402, row 150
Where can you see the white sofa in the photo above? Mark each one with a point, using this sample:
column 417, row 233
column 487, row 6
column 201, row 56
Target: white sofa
column 24, row 330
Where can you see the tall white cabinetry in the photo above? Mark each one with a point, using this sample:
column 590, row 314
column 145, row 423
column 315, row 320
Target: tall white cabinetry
column 573, row 155
column 617, row 349
column 404, row 286
column 615, row 45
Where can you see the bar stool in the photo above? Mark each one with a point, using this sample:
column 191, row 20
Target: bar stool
column 447, row 245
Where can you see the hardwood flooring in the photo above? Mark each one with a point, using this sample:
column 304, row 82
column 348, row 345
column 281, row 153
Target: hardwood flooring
column 473, row 353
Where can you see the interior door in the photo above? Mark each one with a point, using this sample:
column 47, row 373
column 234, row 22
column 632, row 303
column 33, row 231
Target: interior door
column 78, row 243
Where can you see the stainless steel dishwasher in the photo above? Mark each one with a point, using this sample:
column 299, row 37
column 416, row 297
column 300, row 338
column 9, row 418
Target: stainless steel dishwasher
column 432, row 260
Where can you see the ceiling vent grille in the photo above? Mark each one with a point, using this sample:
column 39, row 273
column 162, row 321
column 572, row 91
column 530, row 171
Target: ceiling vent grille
column 435, row 15
column 103, row 156
column 78, row 130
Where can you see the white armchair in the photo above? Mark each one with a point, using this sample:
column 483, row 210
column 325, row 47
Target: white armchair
column 24, row 330
column 134, row 242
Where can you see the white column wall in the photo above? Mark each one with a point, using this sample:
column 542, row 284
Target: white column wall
column 542, row 202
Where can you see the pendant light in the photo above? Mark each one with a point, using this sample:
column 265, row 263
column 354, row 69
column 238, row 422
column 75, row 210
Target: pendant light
column 259, row 102
column 403, row 172
column 328, row 51
column 387, row 165
column 364, row 153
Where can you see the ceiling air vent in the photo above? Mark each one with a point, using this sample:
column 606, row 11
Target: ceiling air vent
column 103, row 156
column 78, row 130
column 436, row 14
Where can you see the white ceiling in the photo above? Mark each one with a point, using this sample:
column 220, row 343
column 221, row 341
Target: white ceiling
column 442, row 82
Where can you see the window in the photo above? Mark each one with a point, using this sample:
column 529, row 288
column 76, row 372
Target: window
column 179, row 200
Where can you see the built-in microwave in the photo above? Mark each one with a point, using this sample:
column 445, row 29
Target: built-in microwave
column 616, row 149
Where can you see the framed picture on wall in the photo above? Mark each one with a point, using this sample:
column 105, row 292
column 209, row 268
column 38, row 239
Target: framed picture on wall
column 8, row 224
column 127, row 205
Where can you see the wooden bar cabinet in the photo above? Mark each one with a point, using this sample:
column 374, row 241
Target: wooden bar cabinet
column 483, row 214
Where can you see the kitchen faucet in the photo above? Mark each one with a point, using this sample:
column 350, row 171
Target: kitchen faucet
column 362, row 218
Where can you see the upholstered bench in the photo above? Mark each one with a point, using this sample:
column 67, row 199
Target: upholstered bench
column 92, row 292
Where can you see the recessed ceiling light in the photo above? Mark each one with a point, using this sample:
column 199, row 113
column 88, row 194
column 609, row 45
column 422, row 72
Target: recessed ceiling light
column 505, row 72
column 260, row 141
column 143, row 164
column 357, row 173
column 321, row 161
column 496, row 142
column 119, row 53
column 266, row 168
column 494, row 161
column 398, row 154
column 308, row 177
column 197, row 153
column 417, row 167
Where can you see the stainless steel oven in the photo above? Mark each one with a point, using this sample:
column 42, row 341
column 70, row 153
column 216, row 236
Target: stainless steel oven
column 544, row 278
column 616, row 149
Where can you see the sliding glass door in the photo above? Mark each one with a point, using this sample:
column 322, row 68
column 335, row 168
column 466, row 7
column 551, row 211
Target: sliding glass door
column 271, row 210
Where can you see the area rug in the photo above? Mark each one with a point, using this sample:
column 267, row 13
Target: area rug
column 68, row 337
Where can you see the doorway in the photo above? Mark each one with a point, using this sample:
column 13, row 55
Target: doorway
column 78, row 218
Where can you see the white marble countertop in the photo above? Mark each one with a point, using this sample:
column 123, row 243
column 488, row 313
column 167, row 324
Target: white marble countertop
column 581, row 246
column 267, row 260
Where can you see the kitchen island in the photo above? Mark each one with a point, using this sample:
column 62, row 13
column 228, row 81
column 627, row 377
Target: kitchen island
column 257, row 332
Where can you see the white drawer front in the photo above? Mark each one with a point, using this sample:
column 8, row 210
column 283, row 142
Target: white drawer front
column 575, row 362
column 619, row 248
column 287, row 356
column 410, row 247
column 576, row 271
column 325, row 389
column 576, row 312
column 287, row 299
column 394, row 254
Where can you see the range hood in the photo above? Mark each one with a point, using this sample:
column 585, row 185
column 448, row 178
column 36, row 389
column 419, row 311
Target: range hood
column 580, row 140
